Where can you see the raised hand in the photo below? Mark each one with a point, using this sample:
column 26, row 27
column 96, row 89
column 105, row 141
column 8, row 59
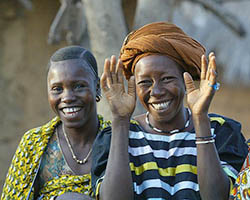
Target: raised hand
column 199, row 99
column 122, row 103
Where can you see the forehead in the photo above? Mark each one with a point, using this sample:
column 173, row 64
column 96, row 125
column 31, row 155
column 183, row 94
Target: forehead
column 157, row 64
column 70, row 69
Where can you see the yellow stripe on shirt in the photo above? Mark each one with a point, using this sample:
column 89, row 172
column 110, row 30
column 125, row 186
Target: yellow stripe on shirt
column 218, row 119
column 170, row 171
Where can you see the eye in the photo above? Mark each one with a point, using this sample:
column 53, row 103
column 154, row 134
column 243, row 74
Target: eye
column 79, row 86
column 144, row 82
column 167, row 79
column 56, row 89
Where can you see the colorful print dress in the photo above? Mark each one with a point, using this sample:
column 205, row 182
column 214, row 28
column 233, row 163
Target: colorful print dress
column 241, row 189
column 26, row 164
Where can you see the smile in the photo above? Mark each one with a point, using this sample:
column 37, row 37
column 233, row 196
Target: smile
column 71, row 110
column 160, row 106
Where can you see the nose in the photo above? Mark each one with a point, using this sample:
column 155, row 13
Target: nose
column 68, row 96
column 156, row 90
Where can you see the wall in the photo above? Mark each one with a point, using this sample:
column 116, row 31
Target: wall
column 24, row 54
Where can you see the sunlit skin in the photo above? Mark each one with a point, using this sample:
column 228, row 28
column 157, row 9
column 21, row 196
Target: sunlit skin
column 198, row 99
column 157, row 88
column 72, row 89
column 71, row 84
column 159, row 80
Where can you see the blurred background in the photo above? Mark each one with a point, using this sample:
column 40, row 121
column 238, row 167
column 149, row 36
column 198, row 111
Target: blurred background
column 30, row 31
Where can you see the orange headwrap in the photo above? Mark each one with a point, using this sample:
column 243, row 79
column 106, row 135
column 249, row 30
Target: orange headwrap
column 162, row 38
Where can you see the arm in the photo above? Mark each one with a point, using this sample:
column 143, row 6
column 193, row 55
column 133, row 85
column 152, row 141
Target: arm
column 209, row 169
column 117, row 182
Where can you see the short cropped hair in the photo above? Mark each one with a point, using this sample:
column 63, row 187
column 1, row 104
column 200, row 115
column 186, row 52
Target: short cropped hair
column 75, row 52
column 78, row 52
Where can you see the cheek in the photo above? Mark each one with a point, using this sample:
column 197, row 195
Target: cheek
column 89, row 96
column 138, row 92
column 176, row 88
column 52, row 101
column 142, row 95
column 179, row 91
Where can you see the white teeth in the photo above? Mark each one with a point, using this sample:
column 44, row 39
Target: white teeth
column 72, row 109
column 160, row 106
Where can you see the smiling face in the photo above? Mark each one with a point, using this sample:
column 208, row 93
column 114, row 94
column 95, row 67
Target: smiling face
column 72, row 92
column 160, row 87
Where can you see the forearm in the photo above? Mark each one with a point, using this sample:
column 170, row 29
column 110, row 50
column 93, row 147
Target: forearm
column 209, row 169
column 117, row 183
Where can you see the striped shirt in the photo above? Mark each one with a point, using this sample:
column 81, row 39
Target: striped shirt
column 164, row 167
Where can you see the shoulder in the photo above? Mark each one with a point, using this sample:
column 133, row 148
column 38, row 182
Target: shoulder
column 103, row 123
column 226, row 128
column 32, row 145
column 28, row 153
column 230, row 142
column 137, row 123
column 36, row 135
column 222, row 122
column 104, row 136
column 105, row 127
column 139, row 119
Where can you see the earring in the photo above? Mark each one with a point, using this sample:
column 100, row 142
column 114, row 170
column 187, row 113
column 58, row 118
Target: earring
column 98, row 98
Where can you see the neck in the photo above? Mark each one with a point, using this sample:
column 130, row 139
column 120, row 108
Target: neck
column 84, row 134
column 177, row 124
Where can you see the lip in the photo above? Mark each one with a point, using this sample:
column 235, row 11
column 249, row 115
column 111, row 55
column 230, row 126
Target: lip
column 160, row 106
column 71, row 112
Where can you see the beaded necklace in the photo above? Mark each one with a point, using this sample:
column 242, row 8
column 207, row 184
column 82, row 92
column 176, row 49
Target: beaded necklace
column 72, row 152
column 173, row 131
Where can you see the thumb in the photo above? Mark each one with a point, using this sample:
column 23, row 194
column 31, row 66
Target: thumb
column 131, row 86
column 190, row 87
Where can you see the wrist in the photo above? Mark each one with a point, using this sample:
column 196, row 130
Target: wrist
column 202, row 125
column 119, row 119
column 200, row 117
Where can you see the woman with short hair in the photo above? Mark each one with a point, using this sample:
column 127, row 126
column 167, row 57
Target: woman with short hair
column 54, row 160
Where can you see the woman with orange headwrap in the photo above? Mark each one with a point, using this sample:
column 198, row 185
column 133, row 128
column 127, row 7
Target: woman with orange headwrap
column 170, row 152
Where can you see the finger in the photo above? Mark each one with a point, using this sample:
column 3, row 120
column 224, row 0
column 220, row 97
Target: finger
column 190, row 87
column 213, row 64
column 107, row 73
column 113, row 69
column 211, row 55
column 131, row 86
column 103, row 82
column 213, row 74
column 203, row 67
column 119, row 72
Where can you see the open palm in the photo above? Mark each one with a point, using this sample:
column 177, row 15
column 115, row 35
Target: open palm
column 199, row 99
column 122, row 103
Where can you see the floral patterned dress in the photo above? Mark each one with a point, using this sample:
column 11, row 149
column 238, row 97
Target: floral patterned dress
column 29, row 163
column 241, row 189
